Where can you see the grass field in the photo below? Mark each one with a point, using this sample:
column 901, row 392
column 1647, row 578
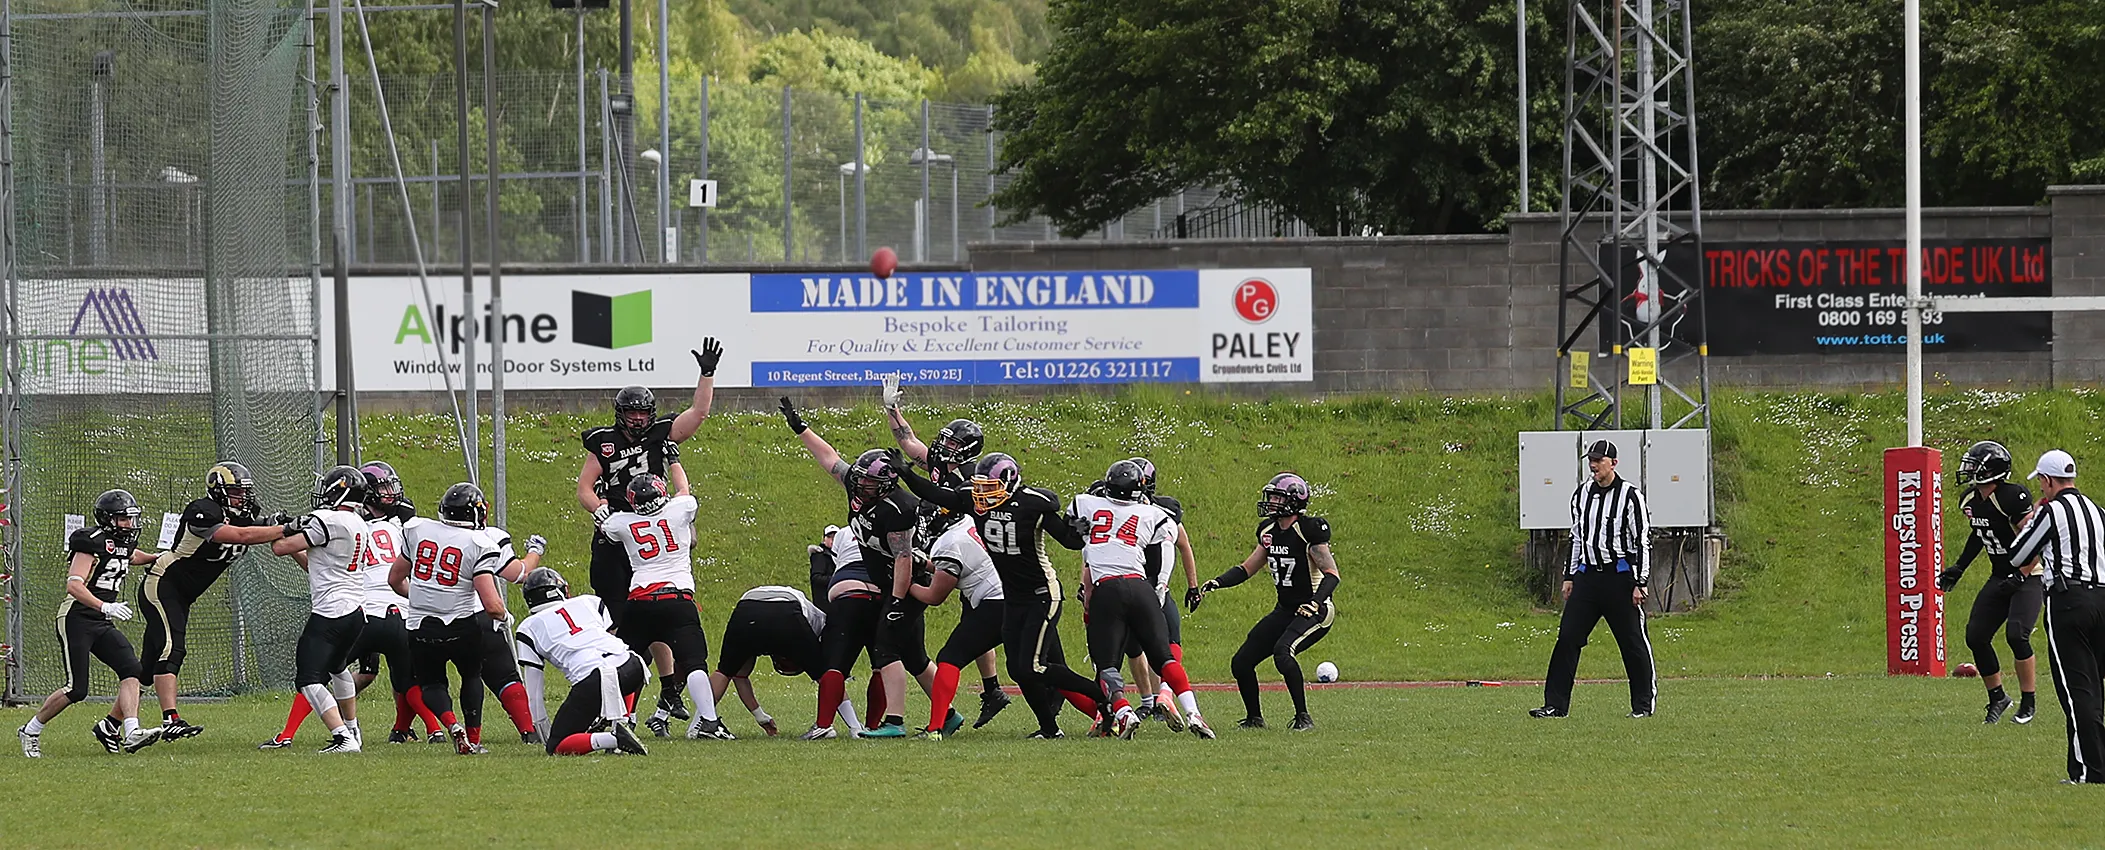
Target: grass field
column 1850, row 761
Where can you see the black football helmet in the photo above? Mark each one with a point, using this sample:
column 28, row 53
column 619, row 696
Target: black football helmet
column 383, row 486
column 1147, row 474
column 958, row 443
column 996, row 477
column 464, row 506
column 231, row 485
column 1286, row 494
column 117, row 513
column 342, row 485
column 873, row 476
column 544, row 586
column 635, row 408
column 1987, row 462
column 648, row 494
column 1123, row 481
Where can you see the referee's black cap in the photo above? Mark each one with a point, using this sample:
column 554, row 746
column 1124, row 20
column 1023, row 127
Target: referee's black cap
column 1600, row 449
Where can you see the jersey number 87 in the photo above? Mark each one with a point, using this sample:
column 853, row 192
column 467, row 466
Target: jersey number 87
column 434, row 564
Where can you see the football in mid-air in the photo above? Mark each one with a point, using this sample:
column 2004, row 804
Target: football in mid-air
column 1326, row 672
column 1965, row 671
column 884, row 262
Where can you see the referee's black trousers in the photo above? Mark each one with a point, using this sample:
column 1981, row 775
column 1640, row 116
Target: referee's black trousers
column 1595, row 596
column 2075, row 619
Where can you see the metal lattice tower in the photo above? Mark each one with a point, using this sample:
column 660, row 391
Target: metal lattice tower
column 1632, row 201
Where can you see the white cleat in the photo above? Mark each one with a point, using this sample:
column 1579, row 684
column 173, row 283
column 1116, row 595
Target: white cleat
column 819, row 733
column 709, row 730
column 141, row 739
column 344, row 743
column 32, row 745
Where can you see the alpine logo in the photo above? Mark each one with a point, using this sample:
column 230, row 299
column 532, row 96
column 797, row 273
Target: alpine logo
column 119, row 317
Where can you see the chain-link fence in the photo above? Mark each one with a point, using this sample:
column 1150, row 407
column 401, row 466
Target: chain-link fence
column 152, row 325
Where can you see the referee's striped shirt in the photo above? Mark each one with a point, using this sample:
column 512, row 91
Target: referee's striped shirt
column 2067, row 534
column 1608, row 523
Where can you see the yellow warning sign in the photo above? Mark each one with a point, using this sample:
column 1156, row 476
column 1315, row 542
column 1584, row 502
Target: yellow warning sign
column 1644, row 366
column 1580, row 362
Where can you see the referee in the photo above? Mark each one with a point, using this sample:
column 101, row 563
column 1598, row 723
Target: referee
column 1611, row 559
column 2067, row 534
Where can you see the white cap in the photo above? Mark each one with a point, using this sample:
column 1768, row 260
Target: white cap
column 2056, row 463
column 829, row 531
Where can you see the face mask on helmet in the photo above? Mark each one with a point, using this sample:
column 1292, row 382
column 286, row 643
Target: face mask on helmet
column 958, row 443
column 994, row 481
column 1286, row 494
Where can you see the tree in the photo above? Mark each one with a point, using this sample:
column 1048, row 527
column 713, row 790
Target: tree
column 1386, row 115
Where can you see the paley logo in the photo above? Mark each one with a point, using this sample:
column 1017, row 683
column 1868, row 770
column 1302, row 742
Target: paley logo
column 600, row 321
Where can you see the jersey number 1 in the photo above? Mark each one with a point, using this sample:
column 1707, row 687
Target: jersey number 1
column 569, row 622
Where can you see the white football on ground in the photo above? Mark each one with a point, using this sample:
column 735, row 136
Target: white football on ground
column 1326, row 672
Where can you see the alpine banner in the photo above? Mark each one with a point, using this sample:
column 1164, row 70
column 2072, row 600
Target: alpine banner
column 1914, row 532
column 782, row 330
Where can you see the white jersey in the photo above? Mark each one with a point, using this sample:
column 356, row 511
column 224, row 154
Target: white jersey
column 779, row 593
column 660, row 545
column 959, row 552
column 574, row 635
column 380, row 558
column 1116, row 533
column 336, row 550
column 845, row 550
column 443, row 563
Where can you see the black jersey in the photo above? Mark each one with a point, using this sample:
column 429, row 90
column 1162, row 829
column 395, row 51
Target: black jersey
column 893, row 513
column 622, row 459
column 198, row 560
column 113, row 560
column 1994, row 520
column 1012, row 534
column 927, row 512
column 1286, row 550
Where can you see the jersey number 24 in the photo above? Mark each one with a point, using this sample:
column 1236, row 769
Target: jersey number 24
column 1100, row 529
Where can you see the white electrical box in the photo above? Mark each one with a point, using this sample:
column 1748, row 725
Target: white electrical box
column 1629, row 458
column 1550, row 469
column 1677, row 477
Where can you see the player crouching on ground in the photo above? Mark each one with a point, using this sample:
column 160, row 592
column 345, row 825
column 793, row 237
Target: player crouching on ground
column 783, row 624
column 1297, row 547
column 605, row 676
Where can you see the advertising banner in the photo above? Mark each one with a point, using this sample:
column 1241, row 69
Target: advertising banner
column 1840, row 297
column 1914, row 532
column 606, row 331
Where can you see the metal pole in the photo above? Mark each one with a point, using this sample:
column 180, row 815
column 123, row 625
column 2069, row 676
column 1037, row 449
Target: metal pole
column 955, row 250
column 1520, row 27
column 606, row 171
column 340, row 234
column 584, row 230
column 466, row 337
column 1648, row 188
column 789, row 231
column 702, row 245
column 923, row 225
column 492, row 188
column 12, row 565
column 667, row 252
column 98, row 201
column 438, row 221
column 992, row 218
column 862, row 210
column 314, row 250
column 1912, row 34
column 625, row 122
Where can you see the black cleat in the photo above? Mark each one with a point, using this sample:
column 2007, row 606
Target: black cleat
column 1996, row 707
column 1548, row 711
column 1302, row 723
column 275, row 744
column 1254, row 721
column 658, row 726
column 625, row 740
column 435, row 738
column 990, row 703
column 403, row 736
column 2023, row 715
column 1045, row 735
column 177, row 729
column 530, row 737
column 1640, row 714
column 674, row 705
column 107, row 735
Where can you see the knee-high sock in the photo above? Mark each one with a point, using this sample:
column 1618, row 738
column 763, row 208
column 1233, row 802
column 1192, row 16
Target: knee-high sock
column 704, row 698
column 1176, row 651
column 833, row 687
column 873, row 696
column 404, row 715
column 1177, row 681
column 1044, row 703
column 847, row 709
column 585, row 743
column 611, row 705
column 940, row 697
column 434, row 704
column 1083, row 703
column 416, row 703
column 513, row 698
column 295, row 717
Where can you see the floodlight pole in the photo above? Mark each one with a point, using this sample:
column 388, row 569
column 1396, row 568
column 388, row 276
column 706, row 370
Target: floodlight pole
column 491, row 188
column 340, row 237
column 1912, row 26
column 467, row 239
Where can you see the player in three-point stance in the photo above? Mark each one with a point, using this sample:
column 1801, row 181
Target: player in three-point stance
column 881, row 521
column 640, row 442
column 1012, row 521
column 657, row 533
column 605, row 676
column 448, row 570
column 1297, row 548
column 949, row 463
column 1120, row 548
column 785, row 625
column 214, row 531
column 331, row 543
column 2011, row 599
column 99, row 557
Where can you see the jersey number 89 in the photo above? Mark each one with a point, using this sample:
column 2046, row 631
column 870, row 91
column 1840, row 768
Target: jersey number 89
column 435, row 564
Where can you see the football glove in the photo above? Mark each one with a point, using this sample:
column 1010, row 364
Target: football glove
column 891, row 392
column 600, row 514
column 1193, row 597
column 711, row 352
column 293, row 526
column 536, row 544
column 1209, row 586
column 789, row 415
column 894, row 609
column 1309, row 609
column 1948, row 579
column 117, row 611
